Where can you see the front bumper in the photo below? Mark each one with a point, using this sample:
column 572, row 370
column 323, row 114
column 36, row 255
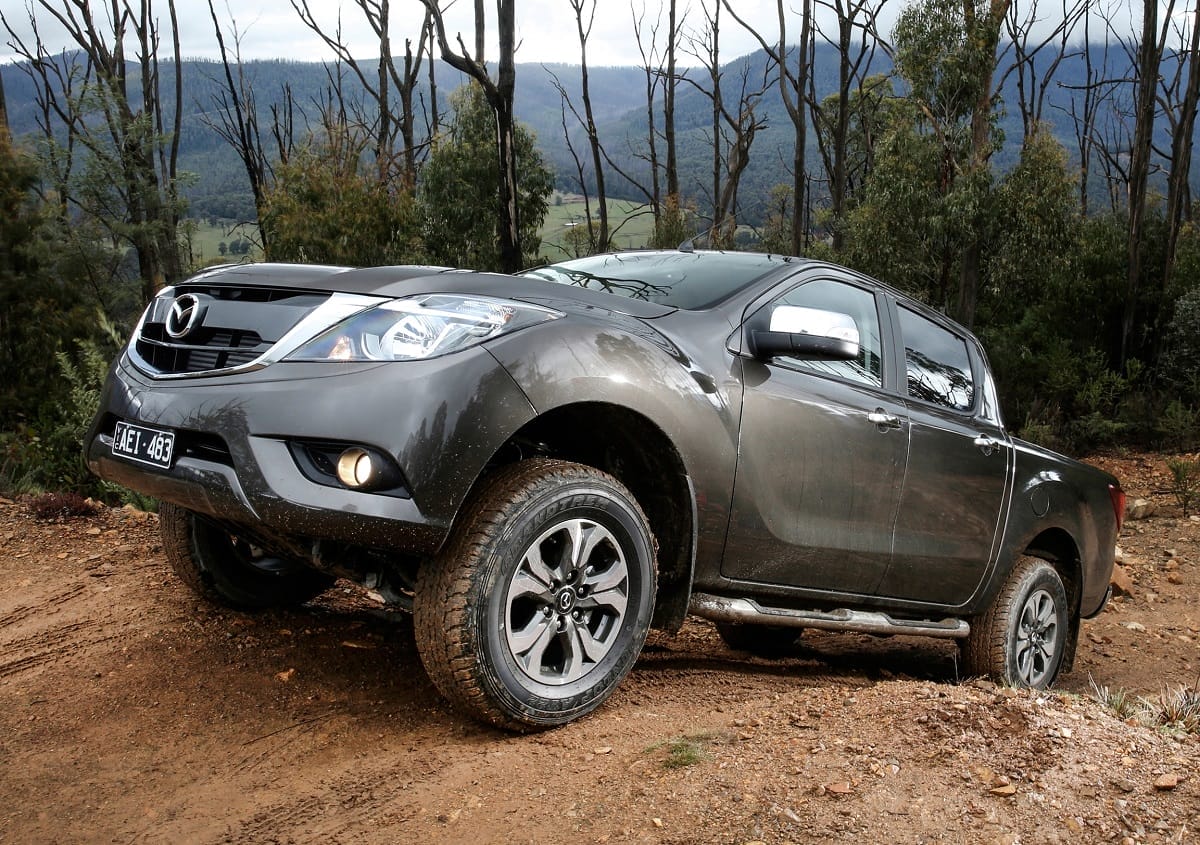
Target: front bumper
column 441, row 420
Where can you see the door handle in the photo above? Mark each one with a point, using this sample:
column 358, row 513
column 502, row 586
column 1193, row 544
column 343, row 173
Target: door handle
column 987, row 444
column 883, row 419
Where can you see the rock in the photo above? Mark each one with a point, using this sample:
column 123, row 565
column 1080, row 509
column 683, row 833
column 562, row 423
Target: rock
column 604, row 749
column 1122, row 584
column 841, row 787
column 1166, row 782
column 1118, row 555
column 286, row 675
column 1006, row 791
column 1174, row 578
column 1139, row 509
column 1136, row 627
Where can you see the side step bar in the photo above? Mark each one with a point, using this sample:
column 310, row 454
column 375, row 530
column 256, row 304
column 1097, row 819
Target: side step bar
column 723, row 609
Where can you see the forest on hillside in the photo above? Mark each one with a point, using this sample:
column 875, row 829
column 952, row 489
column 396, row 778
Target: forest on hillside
column 1026, row 170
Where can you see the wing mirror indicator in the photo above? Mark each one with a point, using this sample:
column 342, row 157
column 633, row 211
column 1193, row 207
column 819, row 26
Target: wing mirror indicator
column 811, row 333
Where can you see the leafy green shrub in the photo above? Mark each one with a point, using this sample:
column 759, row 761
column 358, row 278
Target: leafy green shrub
column 1178, row 427
column 1185, row 481
column 47, row 454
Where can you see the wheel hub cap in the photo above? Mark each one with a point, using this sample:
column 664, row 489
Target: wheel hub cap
column 1037, row 640
column 565, row 604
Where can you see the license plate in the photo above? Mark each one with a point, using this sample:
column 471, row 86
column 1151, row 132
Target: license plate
column 147, row 445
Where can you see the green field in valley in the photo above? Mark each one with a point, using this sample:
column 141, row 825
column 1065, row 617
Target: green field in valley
column 632, row 222
column 206, row 238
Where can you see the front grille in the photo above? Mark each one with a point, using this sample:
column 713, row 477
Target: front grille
column 206, row 349
column 235, row 327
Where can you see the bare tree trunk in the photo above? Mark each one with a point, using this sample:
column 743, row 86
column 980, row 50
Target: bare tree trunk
column 601, row 236
column 733, row 132
column 499, row 95
column 1182, row 141
column 1149, row 58
column 793, row 90
column 672, row 175
column 1033, row 81
column 653, row 75
column 986, row 32
column 136, row 145
column 5, row 132
column 236, row 121
column 389, row 125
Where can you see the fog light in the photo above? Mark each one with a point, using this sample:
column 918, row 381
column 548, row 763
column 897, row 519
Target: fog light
column 355, row 467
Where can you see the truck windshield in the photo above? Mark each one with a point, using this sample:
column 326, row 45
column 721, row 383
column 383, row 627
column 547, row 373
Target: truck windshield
column 688, row 280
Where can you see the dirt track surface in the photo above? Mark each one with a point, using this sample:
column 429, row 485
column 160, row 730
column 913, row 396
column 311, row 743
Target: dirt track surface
column 130, row 712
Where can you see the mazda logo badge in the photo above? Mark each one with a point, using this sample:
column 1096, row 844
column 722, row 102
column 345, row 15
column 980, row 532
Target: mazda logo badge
column 184, row 315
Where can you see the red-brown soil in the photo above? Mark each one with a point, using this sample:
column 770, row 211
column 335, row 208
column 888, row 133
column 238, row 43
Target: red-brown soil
column 132, row 712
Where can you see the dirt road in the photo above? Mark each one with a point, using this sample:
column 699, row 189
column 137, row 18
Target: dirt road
column 129, row 712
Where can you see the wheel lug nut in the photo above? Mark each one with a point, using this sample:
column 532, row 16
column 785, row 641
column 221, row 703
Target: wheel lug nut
column 577, row 615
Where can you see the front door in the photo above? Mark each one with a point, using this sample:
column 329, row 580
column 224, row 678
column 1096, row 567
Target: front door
column 821, row 457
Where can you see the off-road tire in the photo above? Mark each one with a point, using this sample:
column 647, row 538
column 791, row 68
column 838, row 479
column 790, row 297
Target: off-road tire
column 466, row 618
column 1022, row 639
column 770, row 641
column 223, row 569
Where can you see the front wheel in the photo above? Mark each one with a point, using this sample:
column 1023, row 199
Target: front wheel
column 1022, row 638
column 541, row 602
column 226, row 569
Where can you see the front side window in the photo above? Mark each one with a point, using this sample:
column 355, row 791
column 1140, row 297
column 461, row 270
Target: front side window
column 859, row 305
column 937, row 363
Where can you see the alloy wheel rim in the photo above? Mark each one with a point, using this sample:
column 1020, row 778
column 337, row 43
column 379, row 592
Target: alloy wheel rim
column 1037, row 639
column 566, row 602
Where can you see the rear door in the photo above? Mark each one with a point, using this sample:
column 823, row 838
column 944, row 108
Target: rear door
column 959, row 465
column 821, row 456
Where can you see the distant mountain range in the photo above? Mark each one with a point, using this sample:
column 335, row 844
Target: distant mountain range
column 618, row 99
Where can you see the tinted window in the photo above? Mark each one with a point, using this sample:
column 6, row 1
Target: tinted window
column 938, row 365
column 860, row 306
column 691, row 280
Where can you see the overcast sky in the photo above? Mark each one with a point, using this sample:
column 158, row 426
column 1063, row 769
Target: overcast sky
column 545, row 28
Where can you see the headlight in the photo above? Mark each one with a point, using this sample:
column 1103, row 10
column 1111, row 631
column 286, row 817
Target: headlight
column 421, row 327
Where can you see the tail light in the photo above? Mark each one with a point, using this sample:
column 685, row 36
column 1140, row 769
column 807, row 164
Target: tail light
column 1118, row 502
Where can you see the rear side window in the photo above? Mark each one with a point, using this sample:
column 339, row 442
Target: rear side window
column 937, row 363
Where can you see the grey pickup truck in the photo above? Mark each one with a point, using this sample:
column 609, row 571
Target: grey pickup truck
column 541, row 467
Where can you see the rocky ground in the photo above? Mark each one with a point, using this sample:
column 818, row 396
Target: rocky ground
column 130, row 712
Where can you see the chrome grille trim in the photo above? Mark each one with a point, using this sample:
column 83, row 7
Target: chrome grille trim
column 336, row 308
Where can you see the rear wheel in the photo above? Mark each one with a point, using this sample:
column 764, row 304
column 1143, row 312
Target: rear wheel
column 540, row 603
column 1022, row 638
column 759, row 640
column 225, row 569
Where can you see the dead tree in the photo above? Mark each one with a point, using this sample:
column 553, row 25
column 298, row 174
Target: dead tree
column 601, row 236
column 793, row 89
column 670, row 84
column 1181, row 93
column 652, row 68
column 392, row 127
column 733, row 129
column 499, row 95
column 1149, row 58
column 1033, row 81
column 235, row 118
column 124, row 124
